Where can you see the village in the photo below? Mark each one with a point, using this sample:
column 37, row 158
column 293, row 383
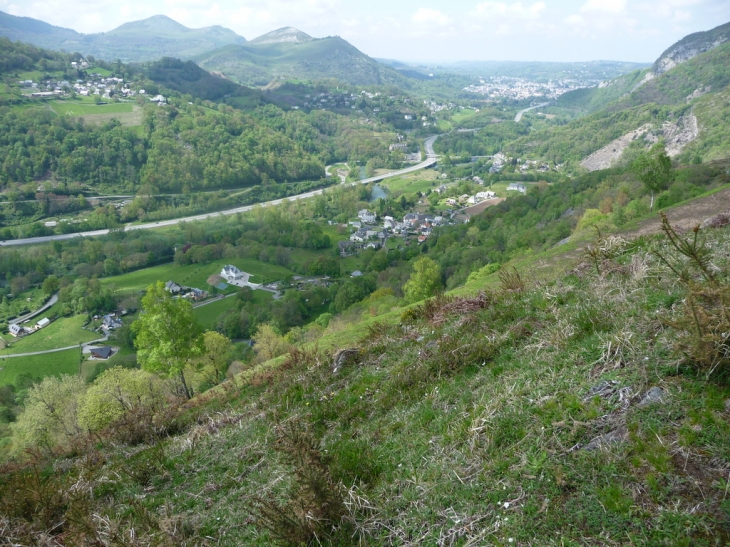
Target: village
column 95, row 85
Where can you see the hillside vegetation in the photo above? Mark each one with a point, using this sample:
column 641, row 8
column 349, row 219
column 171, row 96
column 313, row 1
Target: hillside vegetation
column 592, row 408
column 259, row 64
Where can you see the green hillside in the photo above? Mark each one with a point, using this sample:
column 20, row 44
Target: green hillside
column 259, row 64
column 695, row 87
column 593, row 99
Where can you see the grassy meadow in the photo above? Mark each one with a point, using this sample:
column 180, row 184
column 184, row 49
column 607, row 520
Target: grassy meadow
column 195, row 275
column 208, row 314
column 61, row 333
column 40, row 366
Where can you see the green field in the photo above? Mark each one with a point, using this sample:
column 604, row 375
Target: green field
column 74, row 108
column 207, row 315
column 415, row 182
column 195, row 275
column 62, row 362
column 61, row 333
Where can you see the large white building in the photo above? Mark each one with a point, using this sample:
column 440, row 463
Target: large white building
column 231, row 273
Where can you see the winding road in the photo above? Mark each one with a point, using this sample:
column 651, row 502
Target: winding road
column 521, row 112
column 428, row 162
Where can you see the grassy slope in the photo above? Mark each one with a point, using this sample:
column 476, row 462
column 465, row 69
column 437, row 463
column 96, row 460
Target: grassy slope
column 195, row 275
column 581, row 137
column 61, row 333
column 208, row 314
column 467, row 423
column 39, row 366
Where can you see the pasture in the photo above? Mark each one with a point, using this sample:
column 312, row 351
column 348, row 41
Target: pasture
column 128, row 114
column 63, row 332
column 40, row 366
column 208, row 314
column 195, row 275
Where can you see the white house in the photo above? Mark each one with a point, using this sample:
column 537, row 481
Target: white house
column 359, row 236
column 486, row 195
column 231, row 273
column 517, row 187
column 366, row 216
column 16, row 330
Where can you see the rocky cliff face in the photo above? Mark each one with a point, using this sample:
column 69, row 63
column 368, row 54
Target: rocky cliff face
column 690, row 46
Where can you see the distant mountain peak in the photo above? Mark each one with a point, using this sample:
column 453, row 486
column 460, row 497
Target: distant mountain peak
column 155, row 23
column 283, row 35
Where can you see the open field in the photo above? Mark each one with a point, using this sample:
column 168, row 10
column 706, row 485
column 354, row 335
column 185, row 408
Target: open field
column 63, row 332
column 62, row 362
column 127, row 113
column 413, row 182
column 208, row 314
column 195, row 275
column 74, row 108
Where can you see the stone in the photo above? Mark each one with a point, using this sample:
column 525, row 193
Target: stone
column 654, row 395
column 718, row 221
column 613, row 437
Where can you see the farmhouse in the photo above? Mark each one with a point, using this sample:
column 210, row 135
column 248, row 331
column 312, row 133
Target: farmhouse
column 103, row 352
column 173, row 287
column 17, row 330
column 111, row 322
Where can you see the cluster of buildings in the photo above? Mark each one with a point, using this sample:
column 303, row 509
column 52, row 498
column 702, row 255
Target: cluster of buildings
column 369, row 234
column 466, row 199
column 18, row 330
column 191, row 293
column 503, row 87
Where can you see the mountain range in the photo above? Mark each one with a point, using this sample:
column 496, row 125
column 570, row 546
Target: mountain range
column 146, row 40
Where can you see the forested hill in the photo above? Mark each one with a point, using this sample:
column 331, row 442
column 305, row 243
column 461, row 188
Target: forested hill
column 145, row 40
column 259, row 64
column 189, row 143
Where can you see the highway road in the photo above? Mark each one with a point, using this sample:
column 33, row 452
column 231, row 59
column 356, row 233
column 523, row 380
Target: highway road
column 428, row 162
column 521, row 112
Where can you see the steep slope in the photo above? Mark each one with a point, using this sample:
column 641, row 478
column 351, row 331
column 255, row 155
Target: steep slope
column 145, row 40
column 259, row 64
column 685, row 105
column 690, row 46
column 283, row 35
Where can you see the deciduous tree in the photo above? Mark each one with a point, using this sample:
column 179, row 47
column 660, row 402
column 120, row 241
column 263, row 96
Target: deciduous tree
column 168, row 338
column 654, row 169
column 424, row 281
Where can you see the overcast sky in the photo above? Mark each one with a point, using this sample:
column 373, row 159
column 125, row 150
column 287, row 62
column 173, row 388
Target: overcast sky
column 422, row 30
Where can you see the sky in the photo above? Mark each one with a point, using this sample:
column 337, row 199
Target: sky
column 424, row 31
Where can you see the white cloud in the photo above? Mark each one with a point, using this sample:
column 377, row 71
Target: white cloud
column 607, row 6
column 430, row 16
column 515, row 10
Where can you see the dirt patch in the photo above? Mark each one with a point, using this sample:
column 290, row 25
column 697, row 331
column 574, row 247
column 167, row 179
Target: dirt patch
column 686, row 217
column 479, row 207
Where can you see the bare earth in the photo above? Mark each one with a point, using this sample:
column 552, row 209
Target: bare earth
column 677, row 136
column 479, row 207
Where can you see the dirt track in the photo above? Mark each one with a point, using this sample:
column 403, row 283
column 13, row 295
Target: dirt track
column 686, row 216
